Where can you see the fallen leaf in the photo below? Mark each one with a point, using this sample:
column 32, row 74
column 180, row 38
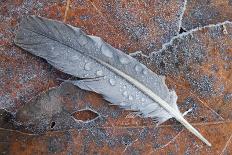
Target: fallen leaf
column 160, row 19
column 112, row 129
column 129, row 25
column 101, row 135
column 200, row 13
column 201, row 62
column 23, row 76
column 115, row 131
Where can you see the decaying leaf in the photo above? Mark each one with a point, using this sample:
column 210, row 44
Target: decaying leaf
column 121, row 79
column 18, row 86
column 200, row 13
column 57, row 109
column 201, row 59
column 111, row 132
column 129, row 25
column 21, row 75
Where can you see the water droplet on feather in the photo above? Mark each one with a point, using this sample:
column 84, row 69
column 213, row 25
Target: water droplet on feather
column 83, row 40
column 86, row 75
column 112, row 82
column 145, row 71
column 99, row 73
column 122, row 103
column 75, row 57
column 125, row 94
column 106, row 51
column 130, row 97
column 124, row 60
column 88, row 66
column 138, row 68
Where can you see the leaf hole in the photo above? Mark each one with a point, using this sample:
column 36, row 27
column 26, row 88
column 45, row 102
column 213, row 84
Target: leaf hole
column 203, row 119
column 162, row 64
column 181, row 30
column 218, row 111
column 53, row 125
column 85, row 115
column 177, row 65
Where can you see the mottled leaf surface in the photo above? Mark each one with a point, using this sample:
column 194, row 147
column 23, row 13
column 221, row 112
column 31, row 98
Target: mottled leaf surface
column 213, row 121
column 200, row 13
column 129, row 25
column 201, row 60
column 87, row 15
column 23, row 76
column 113, row 131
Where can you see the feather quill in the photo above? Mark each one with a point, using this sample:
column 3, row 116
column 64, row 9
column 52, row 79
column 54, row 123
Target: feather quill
column 121, row 79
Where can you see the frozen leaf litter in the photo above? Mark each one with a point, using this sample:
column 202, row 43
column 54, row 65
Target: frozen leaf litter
column 207, row 112
column 71, row 51
column 99, row 18
column 200, row 58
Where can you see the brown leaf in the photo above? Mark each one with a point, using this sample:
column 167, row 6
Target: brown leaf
column 197, row 66
column 101, row 135
column 200, row 13
column 22, row 76
column 129, row 25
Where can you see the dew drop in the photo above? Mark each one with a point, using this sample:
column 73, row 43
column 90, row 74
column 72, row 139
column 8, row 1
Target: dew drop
column 99, row 73
column 143, row 104
column 106, row 51
column 112, row 82
column 86, row 75
column 97, row 41
column 138, row 68
column 125, row 94
column 124, row 60
column 83, row 40
column 130, row 97
column 75, row 57
column 122, row 103
column 134, row 106
column 145, row 72
column 88, row 66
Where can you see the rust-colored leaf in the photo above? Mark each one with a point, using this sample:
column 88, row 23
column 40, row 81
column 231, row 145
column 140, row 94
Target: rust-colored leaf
column 200, row 13
column 129, row 25
column 103, row 134
column 23, row 76
column 138, row 26
column 39, row 119
column 198, row 64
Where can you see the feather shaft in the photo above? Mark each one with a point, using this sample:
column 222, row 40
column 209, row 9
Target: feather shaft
column 162, row 103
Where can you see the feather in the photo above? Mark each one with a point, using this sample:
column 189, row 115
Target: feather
column 121, row 79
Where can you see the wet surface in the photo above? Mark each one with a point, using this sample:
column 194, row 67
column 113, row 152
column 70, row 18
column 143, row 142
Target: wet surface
column 43, row 117
column 199, row 59
column 201, row 13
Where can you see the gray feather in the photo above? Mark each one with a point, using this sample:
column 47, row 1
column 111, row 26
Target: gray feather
column 68, row 48
column 121, row 79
